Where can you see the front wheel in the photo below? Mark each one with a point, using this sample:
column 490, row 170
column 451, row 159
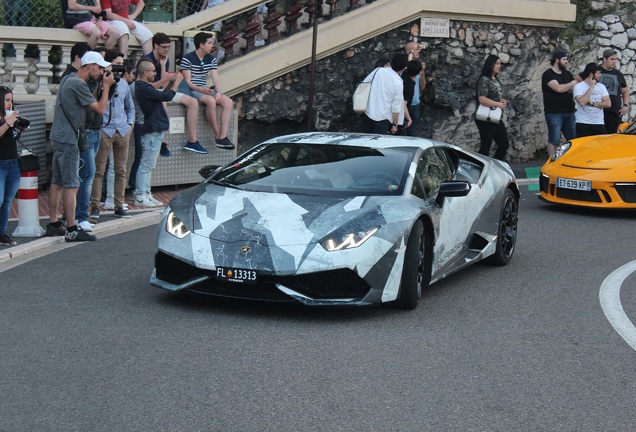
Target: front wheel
column 507, row 234
column 416, row 273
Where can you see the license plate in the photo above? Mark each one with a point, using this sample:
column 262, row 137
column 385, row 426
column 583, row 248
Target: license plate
column 565, row 183
column 236, row 275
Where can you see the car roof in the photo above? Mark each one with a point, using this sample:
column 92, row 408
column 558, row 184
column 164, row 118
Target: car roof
column 355, row 139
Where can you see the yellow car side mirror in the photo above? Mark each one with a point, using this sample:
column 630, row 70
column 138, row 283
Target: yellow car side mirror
column 623, row 126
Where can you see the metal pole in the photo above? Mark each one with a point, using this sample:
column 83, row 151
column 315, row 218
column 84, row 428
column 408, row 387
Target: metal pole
column 310, row 107
column 174, row 10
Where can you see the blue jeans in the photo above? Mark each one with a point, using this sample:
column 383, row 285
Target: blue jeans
column 9, row 183
column 87, row 174
column 414, row 111
column 560, row 122
column 151, row 144
column 132, row 177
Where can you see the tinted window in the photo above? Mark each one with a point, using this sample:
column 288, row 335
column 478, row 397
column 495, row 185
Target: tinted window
column 318, row 170
column 433, row 168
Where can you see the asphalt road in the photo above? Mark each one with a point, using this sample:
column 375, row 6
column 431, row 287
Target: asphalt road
column 89, row 345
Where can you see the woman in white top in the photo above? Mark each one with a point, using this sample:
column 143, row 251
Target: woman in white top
column 591, row 97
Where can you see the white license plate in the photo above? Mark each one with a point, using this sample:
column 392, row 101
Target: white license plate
column 565, row 183
column 236, row 275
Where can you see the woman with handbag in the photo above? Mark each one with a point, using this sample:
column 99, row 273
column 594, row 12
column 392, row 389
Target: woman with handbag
column 489, row 94
column 9, row 168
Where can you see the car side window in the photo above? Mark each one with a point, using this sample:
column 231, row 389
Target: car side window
column 433, row 168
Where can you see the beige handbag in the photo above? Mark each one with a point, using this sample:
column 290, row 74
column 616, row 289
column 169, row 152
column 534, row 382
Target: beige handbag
column 488, row 114
column 362, row 94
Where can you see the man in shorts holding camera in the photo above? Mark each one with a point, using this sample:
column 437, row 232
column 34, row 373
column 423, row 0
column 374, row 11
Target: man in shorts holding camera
column 73, row 98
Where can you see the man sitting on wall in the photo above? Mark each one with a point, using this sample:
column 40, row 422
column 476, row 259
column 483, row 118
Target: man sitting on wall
column 117, row 15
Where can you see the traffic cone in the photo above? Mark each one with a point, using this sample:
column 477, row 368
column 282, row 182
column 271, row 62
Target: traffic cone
column 28, row 206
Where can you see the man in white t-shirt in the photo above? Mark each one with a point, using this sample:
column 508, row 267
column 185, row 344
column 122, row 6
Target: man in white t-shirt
column 386, row 109
column 591, row 98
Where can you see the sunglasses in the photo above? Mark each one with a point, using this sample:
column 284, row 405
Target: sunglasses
column 5, row 88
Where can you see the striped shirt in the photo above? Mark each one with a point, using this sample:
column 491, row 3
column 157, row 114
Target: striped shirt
column 199, row 68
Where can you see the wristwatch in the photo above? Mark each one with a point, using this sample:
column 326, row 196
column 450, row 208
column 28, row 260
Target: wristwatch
column 626, row 105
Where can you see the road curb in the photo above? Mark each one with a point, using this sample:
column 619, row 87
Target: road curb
column 105, row 228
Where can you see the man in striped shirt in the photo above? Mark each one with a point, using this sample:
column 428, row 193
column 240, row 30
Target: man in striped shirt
column 196, row 66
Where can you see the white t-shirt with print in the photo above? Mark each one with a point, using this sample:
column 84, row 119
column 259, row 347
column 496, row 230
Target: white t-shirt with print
column 589, row 114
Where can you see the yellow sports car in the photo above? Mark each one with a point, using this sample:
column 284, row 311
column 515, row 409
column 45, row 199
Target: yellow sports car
column 595, row 171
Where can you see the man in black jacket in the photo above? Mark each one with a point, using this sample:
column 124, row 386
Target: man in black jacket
column 156, row 123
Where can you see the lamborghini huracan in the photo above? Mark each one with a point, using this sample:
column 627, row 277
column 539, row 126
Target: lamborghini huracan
column 338, row 219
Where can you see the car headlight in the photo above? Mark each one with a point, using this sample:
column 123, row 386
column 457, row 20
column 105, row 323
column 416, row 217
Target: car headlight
column 175, row 227
column 348, row 241
column 561, row 150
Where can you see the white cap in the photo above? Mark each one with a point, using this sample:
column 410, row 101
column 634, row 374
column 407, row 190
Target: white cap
column 92, row 57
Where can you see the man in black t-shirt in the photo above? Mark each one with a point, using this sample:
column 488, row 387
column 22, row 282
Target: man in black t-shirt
column 617, row 88
column 557, row 84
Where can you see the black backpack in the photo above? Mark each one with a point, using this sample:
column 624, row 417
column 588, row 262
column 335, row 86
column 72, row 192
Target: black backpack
column 71, row 19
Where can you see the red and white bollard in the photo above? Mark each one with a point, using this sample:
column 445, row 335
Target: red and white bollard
column 28, row 207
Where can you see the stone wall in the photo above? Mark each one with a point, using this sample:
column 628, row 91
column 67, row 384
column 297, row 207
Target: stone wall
column 453, row 66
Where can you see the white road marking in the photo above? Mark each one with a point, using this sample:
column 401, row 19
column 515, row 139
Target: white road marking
column 610, row 297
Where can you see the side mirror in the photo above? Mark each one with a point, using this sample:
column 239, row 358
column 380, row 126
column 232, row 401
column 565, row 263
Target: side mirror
column 451, row 189
column 623, row 126
column 208, row 170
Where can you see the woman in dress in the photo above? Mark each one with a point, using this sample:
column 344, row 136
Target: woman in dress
column 489, row 93
column 9, row 169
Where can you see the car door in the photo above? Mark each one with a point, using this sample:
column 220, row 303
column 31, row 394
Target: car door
column 452, row 217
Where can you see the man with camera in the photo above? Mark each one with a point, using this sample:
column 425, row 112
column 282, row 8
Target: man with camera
column 67, row 136
column 117, row 126
column 92, row 125
column 87, row 17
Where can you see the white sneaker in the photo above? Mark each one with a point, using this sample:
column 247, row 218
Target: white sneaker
column 154, row 201
column 86, row 226
column 109, row 204
column 143, row 201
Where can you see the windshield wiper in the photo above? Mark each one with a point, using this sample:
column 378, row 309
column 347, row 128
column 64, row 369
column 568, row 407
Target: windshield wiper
column 224, row 183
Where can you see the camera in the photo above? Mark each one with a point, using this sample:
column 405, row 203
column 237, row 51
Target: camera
column 102, row 14
column 22, row 123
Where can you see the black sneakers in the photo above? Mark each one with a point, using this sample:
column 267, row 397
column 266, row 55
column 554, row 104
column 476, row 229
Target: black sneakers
column 120, row 212
column 224, row 143
column 52, row 231
column 93, row 216
column 79, row 235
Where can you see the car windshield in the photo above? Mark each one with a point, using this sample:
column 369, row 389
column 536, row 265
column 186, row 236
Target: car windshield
column 318, row 169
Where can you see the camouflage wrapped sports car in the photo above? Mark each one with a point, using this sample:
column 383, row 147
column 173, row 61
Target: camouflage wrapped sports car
column 331, row 219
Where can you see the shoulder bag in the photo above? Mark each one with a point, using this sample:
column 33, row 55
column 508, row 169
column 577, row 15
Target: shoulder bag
column 488, row 114
column 362, row 94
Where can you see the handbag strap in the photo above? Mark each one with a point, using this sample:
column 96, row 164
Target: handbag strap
column 62, row 105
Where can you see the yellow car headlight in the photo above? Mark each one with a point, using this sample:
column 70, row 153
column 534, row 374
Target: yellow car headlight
column 561, row 150
column 175, row 227
column 348, row 241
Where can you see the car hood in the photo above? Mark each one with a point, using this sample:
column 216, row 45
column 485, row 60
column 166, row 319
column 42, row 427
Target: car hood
column 232, row 215
column 602, row 152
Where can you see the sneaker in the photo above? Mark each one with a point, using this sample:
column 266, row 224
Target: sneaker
column 86, row 226
column 121, row 212
column 93, row 216
column 109, row 204
column 154, row 201
column 259, row 43
column 165, row 151
column 224, row 143
column 79, row 235
column 5, row 240
column 196, row 147
column 143, row 201
column 52, row 231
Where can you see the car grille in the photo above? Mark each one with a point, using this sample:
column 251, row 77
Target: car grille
column 544, row 182
column 591, row 196
column 627, row 193
column 331, row 284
